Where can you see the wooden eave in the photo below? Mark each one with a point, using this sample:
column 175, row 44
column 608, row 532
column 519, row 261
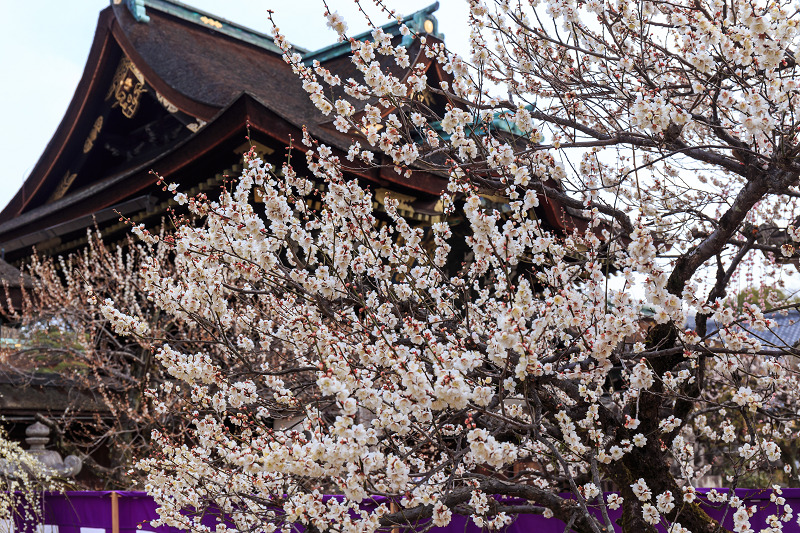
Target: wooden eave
column 116, row 188
column 108, row 46
column 228, row 126
column 268, row 116
column 189, row 106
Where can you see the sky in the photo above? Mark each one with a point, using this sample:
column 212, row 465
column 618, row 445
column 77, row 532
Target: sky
column 45, row 43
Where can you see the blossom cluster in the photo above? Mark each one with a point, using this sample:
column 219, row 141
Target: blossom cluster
column 517, row 347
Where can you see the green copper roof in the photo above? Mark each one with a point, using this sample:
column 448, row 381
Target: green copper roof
column 414, row 21
column 202, row 18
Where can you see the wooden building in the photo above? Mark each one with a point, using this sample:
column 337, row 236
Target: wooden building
column 177, row 91
column 172, row 90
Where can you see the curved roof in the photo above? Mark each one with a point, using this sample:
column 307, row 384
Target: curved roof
column 203, row 82
column 198, row 65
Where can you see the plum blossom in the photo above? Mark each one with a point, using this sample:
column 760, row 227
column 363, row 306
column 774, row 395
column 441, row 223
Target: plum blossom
column 641, row 490
column 525, row 331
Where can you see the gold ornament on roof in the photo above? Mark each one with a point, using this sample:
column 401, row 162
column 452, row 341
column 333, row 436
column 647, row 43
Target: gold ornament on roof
column 194, row 126
column 63, row 186
column 127, row 87
column 169, row 106
column 425, row 97
column 89, row 142
column 404, row 201
column 211, row 22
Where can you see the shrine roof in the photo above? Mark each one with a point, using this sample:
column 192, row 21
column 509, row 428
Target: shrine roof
column 165, row 88
column 419, row 22
column 197, row 65
column 204, row 68
column 784, row 330
column 211, row 61
column 199, row 17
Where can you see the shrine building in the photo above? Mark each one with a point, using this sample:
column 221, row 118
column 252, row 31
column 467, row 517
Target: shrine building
column 174, row 91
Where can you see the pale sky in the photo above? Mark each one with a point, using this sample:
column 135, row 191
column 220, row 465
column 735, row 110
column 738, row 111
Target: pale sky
column 44, row 45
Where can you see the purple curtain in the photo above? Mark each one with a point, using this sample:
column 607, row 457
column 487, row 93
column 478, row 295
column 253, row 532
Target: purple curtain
column 91, row 512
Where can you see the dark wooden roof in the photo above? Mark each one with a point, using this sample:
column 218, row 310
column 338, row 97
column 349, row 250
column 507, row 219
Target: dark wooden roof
column 196, row 64
column 175, row 90
column 202, row 71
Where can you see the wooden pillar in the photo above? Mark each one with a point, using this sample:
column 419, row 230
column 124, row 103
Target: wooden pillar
column 393, row 508
column 114, row 512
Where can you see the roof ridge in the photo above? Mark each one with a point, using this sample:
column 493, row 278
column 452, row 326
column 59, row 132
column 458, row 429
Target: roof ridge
column 215, row 23
column 417, row 19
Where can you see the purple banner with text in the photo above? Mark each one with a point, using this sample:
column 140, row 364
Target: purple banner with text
column 131, row 512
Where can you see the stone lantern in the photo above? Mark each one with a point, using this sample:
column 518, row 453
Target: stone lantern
column 38, row 435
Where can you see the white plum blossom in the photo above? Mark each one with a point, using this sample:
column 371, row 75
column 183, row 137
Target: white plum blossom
column 665, row 502
column 650, row 514
column 337, row 23
column 641, row 490
column 510, row 293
